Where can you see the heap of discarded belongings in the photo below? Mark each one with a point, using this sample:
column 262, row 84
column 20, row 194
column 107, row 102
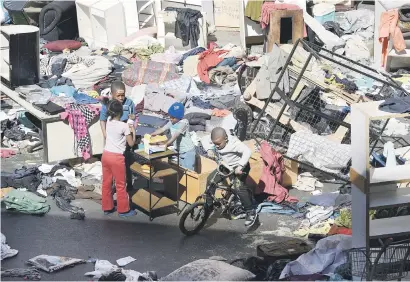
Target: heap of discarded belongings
column 294, row 100
column 297, row 97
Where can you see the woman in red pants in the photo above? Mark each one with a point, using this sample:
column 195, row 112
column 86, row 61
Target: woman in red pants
column 113, row 161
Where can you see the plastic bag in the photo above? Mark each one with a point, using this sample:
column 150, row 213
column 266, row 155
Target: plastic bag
column 53, row 263
column 6, row 251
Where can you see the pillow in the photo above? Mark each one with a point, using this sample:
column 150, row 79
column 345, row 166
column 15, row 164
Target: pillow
column 60, row 45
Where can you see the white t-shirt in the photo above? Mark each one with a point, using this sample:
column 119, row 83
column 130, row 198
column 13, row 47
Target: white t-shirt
column 116, row 136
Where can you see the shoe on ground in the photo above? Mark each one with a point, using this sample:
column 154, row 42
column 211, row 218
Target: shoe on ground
column 110, row 211
column 128, row 214
column 251, row 218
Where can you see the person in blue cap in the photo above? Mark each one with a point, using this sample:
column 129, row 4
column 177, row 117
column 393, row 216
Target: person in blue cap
column 180, row 136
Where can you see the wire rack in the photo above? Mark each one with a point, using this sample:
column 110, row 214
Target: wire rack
column 386, row 263
column 310, row 121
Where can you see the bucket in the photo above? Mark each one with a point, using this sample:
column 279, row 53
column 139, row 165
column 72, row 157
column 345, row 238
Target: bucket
column 324, row 12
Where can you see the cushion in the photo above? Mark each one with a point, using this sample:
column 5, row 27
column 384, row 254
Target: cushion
column 60, row 45
column 209, row 270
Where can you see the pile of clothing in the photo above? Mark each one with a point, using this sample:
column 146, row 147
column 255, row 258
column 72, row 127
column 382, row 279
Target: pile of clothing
column 325, row 215
column 17, row 132
column 28, row 187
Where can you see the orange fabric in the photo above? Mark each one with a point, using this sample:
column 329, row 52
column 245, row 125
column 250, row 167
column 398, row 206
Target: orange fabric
column 339, row 230
column 113, row 165
column 220, row 113
column 388, row 29
column 207, row 60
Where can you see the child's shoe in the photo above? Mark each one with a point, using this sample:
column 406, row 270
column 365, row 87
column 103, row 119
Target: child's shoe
column 110, row 211
column 127, row 214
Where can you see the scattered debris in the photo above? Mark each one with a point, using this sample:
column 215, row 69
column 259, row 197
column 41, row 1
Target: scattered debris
column 218, row 258
column 25, row 273
column 6, row 251
column 125, row 261
column 307, row 182
column 106, row 271
column 53, row 263
column 209, row 270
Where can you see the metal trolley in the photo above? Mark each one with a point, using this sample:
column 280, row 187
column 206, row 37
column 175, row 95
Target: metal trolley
column 389, row 262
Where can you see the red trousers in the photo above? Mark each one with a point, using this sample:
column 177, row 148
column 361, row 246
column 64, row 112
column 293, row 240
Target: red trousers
column 113, row 166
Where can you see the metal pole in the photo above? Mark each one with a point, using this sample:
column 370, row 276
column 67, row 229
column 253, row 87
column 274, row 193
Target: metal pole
column 284, row 96
column 277, row 82
column 150, row 192
column 391, row 82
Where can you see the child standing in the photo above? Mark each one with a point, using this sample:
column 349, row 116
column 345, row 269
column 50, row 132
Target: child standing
column 128, row 113
column 179, row 128
column 128, row 106
column 118, row 134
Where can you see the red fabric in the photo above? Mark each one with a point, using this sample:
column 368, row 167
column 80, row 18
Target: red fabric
column 271, row 179
column 388, row 29
column 6, row 153
column 268, row 7
column 208, row 59
column 60, row 45
column 339, row 230
column 113, row 166
column 139, row 108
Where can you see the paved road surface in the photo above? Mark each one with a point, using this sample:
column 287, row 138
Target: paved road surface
column 156, row 245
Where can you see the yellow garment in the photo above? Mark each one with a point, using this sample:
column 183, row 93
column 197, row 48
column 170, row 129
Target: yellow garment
column 92, row 93
column 345, row 218
column 404, row 78
column 154, row 139
column 253, row 10
column 5, row 191
column 146, row 168
column 319, row 228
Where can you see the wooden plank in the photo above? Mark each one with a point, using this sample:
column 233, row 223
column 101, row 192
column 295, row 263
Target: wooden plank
column 348, row 97
column 388, row 199
column 358, row 180
column 296, row 93
column 341, row 131
column 141, row 199
column 393, row 226
column 273, row 111
column 160, row 155
column 164, row 172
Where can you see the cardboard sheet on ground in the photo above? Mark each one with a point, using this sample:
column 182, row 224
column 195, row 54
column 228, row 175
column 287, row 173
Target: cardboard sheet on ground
column 53, row 263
